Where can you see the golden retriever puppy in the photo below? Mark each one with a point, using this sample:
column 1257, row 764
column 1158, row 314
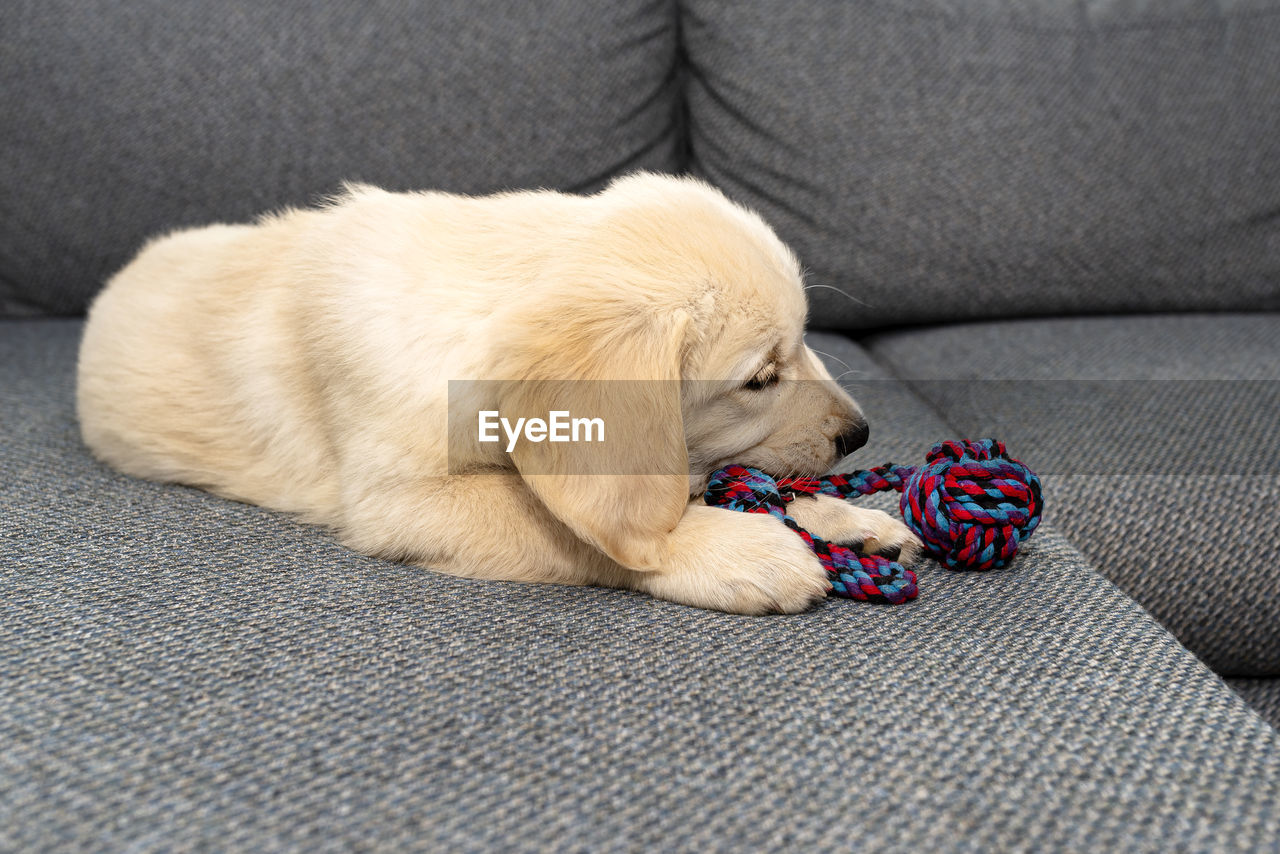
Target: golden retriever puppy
column 314, row 362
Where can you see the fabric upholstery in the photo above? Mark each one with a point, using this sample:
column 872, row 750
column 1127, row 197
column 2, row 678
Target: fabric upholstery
column 183, row 672
column 935, row 160
column 1263, row 695
column 126, row 119
column 902, row 425
column 1157, row 438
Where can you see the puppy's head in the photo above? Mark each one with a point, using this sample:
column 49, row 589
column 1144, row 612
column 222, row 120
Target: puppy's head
column 752, row 392
column 679, row 316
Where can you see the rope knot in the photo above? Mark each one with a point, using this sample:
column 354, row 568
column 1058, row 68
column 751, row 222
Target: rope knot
column 870, row 578
column 972, row 504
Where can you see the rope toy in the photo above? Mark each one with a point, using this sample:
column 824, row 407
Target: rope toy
column 971, row 505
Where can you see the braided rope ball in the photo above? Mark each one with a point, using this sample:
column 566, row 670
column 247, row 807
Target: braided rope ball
column 971, row 505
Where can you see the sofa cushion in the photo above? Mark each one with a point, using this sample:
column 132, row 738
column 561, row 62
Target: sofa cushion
column 1156, row 437
column 934, row 160
column 186, row 672
column 1262, row 694
column 132, row 117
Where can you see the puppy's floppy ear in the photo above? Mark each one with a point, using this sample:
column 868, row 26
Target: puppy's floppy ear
column 626, row 493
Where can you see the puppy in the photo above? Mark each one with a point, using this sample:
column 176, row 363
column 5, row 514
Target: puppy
column 304, row 363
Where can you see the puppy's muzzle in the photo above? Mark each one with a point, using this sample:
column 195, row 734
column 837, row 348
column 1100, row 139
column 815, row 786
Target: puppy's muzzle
column 853, row 438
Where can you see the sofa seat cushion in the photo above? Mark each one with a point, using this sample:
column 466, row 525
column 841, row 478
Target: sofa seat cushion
column 136, row 116
column 938, row 160
column 187, row 672
column 1262, row 694
column 1156, row 437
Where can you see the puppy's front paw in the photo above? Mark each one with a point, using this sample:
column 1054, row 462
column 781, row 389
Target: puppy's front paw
column 743, row 563
column 866, row 531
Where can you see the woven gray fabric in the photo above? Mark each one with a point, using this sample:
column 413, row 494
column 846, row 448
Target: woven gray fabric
column 1169, row 486
column 1262, row 694
column 902, row 426
column 936, row 160
column 132, row 117
column 181, row 672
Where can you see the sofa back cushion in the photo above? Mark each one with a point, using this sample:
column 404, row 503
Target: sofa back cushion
column 937, row 159
column 126, row 118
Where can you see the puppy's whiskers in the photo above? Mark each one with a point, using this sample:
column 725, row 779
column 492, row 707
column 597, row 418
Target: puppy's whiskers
column 832, row 358
column 842, row 293
column 759, row 502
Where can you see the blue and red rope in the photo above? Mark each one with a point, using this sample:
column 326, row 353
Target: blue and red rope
column 971, row 505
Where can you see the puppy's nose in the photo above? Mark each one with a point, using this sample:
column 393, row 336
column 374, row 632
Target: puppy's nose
column 853, row 438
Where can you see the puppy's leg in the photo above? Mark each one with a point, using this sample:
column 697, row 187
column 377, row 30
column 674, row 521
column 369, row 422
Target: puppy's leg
column 866, row 531
column 491, row 526
column 478, row 526
column 745, row 563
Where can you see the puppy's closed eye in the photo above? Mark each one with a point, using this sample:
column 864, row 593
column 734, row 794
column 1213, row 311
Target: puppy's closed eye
column 765, row 377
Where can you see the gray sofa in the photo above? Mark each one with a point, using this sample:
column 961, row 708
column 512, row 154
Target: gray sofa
column 1050, row 221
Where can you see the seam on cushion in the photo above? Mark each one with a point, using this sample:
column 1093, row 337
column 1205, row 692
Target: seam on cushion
column 682, row 72
column 888, row 368
column 1049, row 530
column 1049, row 527
column 893, row 374
column 621, row 167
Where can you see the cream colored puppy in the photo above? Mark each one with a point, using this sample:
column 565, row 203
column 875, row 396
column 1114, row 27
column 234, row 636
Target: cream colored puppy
column 304, row 363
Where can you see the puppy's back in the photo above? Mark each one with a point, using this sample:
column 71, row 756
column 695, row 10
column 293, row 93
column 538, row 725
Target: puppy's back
column 250, row 360
column 189, row 369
